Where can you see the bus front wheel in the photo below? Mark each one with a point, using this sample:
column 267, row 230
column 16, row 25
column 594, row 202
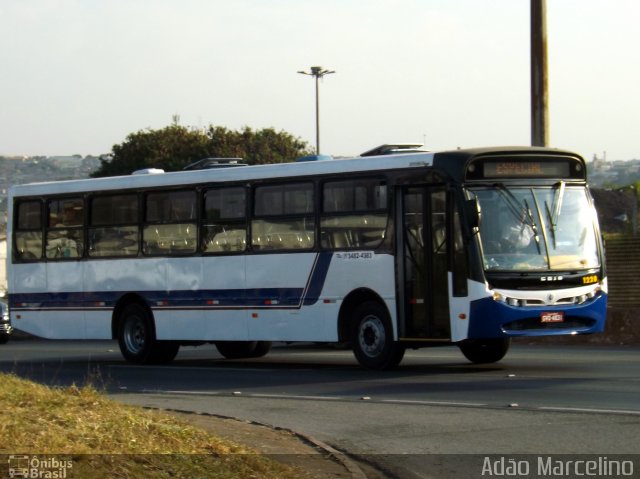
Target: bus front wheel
column 372, row 337
column 484, row 351
column 136, row 338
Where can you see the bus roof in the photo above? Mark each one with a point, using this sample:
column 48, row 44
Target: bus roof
column 452, row 162
column 247, row 173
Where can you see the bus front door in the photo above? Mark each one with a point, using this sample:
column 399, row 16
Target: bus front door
column 422, row 264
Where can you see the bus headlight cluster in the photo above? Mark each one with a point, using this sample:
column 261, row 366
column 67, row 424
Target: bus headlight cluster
column 585, row 297
column 539, row 302
column 508, row 300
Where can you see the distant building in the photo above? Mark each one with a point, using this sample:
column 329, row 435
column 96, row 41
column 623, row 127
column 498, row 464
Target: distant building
column 612, row 173
column 66, row 162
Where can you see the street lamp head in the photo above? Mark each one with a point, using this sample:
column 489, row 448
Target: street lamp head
column 317, row 72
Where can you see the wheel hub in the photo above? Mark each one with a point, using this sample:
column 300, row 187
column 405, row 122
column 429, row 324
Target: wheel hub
column 134, row 335
column 372, row 336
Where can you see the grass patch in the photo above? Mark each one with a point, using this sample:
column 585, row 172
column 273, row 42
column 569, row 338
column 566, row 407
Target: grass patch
column 104, row 438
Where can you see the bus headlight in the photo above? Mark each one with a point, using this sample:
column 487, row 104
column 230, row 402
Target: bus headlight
column 506, row 299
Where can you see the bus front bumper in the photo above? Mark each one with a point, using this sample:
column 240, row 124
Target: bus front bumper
column 494, row 319
column 5, row 329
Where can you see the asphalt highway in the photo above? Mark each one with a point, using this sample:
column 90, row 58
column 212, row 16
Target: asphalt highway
column 415, row 420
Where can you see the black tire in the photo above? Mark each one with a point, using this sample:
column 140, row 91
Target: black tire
column 261, row 349
column 4, row 338
column 484, row 351
column 237, row 349
column 137, row 338
column 372, row 337
column 164, row 352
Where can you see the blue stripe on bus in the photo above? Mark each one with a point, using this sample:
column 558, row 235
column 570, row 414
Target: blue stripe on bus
column 317, row 279
column 202, row 299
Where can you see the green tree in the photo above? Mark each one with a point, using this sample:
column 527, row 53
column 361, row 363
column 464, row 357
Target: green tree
column 174, row 147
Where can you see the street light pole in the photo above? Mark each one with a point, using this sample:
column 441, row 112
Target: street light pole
column 317, row 73
column 539, row 79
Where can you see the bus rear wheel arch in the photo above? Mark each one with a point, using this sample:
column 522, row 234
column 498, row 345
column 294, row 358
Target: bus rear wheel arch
column 137, row 338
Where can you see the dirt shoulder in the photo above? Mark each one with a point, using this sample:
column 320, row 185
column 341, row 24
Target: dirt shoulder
column 319, row 460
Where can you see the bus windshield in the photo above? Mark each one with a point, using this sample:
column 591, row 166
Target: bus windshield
column 541, row 228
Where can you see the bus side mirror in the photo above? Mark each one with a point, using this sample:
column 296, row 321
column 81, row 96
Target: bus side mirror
column 472, row 212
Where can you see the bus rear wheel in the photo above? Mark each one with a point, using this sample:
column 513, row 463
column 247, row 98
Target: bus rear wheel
column 372, row 337
column 484, row 351
column 243, row 349
column 136, row 338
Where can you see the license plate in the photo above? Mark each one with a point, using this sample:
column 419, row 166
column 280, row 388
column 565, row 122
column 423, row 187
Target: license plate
column 555, row 317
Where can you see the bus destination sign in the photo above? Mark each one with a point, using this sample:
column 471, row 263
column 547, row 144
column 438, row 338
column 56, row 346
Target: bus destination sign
column 525, row 169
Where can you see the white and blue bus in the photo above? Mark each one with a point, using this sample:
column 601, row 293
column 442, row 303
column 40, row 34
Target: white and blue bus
column 385, row 253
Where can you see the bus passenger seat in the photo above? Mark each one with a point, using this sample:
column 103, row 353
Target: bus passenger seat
column 340, row 240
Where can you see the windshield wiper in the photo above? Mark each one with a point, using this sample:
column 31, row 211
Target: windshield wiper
column 557, row 203
column 517, row 209
column 551, row 223
column 553, row 213
column 533, row 226
column 520, row 211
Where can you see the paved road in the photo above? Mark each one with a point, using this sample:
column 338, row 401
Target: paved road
column 538, row 400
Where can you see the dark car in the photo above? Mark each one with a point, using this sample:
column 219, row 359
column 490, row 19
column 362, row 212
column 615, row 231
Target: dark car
column 5, row 323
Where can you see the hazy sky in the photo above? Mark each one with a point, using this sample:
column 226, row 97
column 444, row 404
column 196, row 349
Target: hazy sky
column 77, row 76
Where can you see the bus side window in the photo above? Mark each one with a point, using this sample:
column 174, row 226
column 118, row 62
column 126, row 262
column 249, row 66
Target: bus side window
column 170, row 218
column 283, row 217
column 224, row 226
column 65, row 232
column 113, row 226
column 28, row 231
column 354, row 214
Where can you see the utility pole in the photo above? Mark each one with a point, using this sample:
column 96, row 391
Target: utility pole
column 539, row 78
column 317, row 73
